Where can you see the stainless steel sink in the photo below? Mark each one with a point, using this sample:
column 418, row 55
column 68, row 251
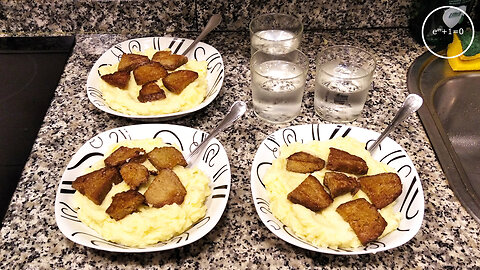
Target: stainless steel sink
column 451, row 117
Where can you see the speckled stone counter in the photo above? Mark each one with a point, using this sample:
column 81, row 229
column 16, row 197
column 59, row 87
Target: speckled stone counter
column 30, row 238
column 51, row 17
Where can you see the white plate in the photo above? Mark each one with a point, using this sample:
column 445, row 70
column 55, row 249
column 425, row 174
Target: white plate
column 213, row 161
column 410, row 203
column 202, row 51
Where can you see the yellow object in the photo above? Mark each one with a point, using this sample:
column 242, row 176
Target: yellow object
column 149, row 225
column 325, row 228
column 468, row 58
column 125, row 101
column 457, row 64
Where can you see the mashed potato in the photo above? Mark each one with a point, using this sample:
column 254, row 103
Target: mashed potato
column 325, row 228
column 149, row 225
column 125, row 101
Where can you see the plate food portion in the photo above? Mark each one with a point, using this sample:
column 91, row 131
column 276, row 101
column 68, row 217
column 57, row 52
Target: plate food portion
column 130, row 190
column 148, row 79
column 315, row 186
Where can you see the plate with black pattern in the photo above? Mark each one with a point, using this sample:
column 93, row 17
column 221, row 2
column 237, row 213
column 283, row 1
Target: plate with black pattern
column 213, row 161
column 201, row 52
column 410, row 203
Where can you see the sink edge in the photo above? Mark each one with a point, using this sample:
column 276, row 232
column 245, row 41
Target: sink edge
column 450, row 163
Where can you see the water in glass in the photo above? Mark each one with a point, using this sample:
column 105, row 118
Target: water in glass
column 274, row 41
column 277, row 90
column 341, row 92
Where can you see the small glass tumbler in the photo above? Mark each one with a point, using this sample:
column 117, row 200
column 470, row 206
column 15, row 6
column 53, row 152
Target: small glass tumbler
column 343, row 77
column 275, row 33
column 278, row 83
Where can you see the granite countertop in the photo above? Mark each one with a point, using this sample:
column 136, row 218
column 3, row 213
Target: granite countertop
column 30, row 238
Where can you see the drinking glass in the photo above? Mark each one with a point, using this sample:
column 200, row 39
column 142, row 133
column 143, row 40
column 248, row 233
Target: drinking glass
column 278, row 83
column 343, row 77
column 275, row 33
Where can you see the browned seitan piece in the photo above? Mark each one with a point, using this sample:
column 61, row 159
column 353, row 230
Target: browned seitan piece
column 364, row 219
column 96, row 185
column 150, row 72
column 118, row 79
column 339, row 183
column 151, row 92
column 382, row 189
column 166, row 157
column 311, row 194
column 302, row 162
column 169, row 61
column 177, row 81
column 125, row 154
column 130, row 61
column 342, row 161
column 160, row 54
column 134, row 174
column 125, row 203
column 165, row 189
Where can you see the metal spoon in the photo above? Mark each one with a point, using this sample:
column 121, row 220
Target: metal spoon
column 212, row 23
column 411, row 104
column 238, row 109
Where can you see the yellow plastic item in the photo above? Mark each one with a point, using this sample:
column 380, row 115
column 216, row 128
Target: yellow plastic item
column 457, row 63
column 468, row 58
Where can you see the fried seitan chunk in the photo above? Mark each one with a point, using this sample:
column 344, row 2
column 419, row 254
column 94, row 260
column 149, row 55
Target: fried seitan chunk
column 134, row 174
column 125, row 154
column 176, row 81
column 130, row 61
column 311, row 194
column 118, row 79
column 160, row 54
column 382, row 189
column 302, row 162
column 342, row 161
column 169, row 61
column 151, row 92
column 364, row 219
column 165, row 189
column 166, row 157
column 339, row 184
column 125, row 203
column 96, row 185
column 150, row 72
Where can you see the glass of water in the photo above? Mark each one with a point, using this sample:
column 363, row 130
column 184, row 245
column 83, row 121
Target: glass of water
column 275, row 33
column 343, row 77
column 278, row 83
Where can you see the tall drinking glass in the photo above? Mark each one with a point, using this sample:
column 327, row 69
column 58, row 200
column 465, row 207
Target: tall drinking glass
column 278, row 83
column 275, row 33
column 343, row 78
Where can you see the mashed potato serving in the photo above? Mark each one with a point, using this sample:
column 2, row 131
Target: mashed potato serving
column 148, row 225
column 126, row 101
column 325, row 228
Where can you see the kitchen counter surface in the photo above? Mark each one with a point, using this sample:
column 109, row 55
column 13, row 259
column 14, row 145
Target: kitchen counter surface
column 30, row 238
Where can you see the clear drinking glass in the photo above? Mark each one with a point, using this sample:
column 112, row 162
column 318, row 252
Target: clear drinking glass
column 275, row 33
column 343, row 77
column 278, row 83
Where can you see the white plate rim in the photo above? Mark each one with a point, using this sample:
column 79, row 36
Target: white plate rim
column 212, row 157
column 201, row 51
column 389, row 151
